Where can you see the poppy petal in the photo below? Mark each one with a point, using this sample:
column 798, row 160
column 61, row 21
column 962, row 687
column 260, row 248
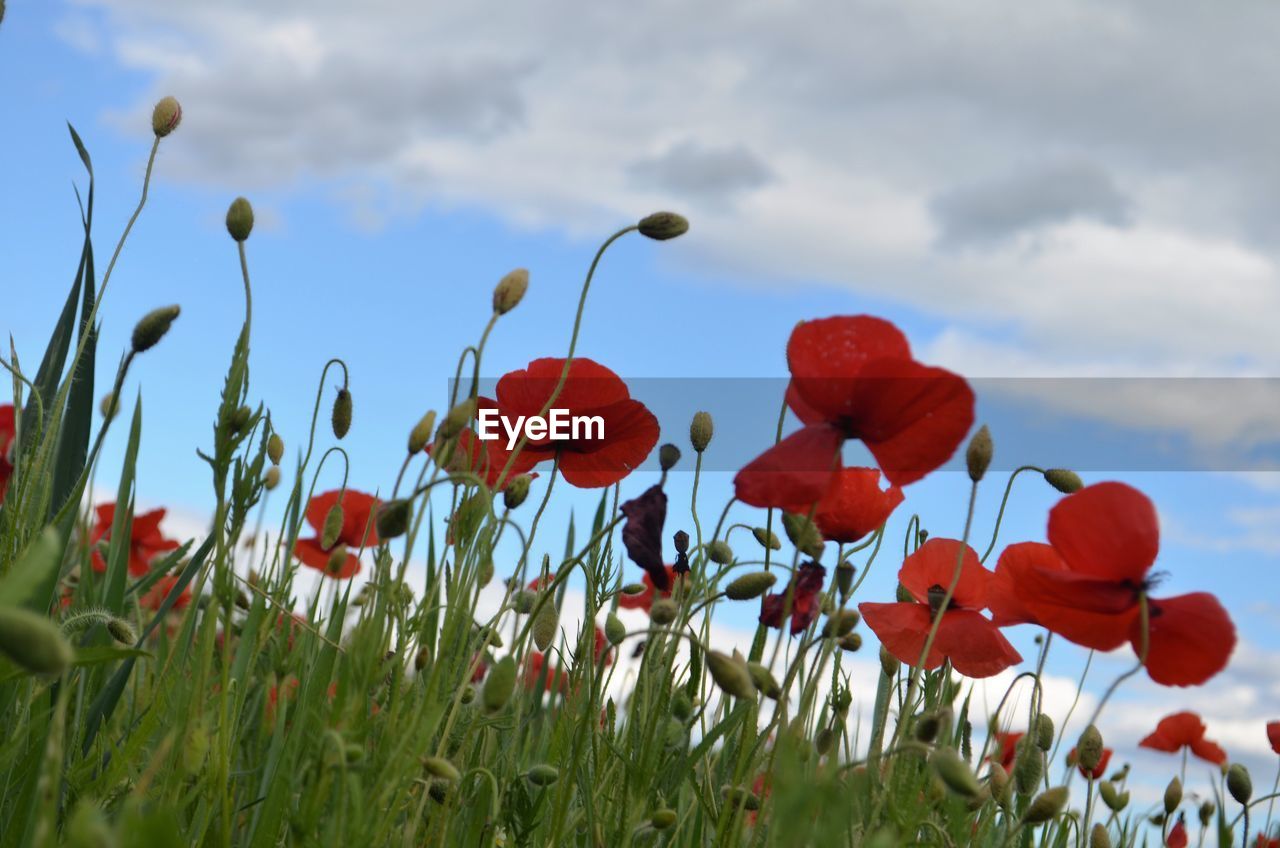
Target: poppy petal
column 1015, row 560
column 1273, row 735
column 310, row 554
column 827, row 354
column 1174, row 731
column 975, row 646
column 797, row 469
column 642, row 534
column 853, row 505
column 1094, row 613
column 1209, row 751
column 630, row 433
column 934, row 564
column 1191, row 639
column 1107, row 530
column 902, row 630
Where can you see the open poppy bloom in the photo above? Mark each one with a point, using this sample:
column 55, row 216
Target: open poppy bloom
column 146, row 541
column 1086, row 585
column 594, row 456
column 799, row 599
column 1265, row 841
column 155, row 596
column 972, row 642
column 853, row 505
column 1098, row 771
column 358, row 531
column 8, row 432
column 1006, row 747
column 644, row 600
column 1273, row 735
column 852, row 377
column 1184, row 730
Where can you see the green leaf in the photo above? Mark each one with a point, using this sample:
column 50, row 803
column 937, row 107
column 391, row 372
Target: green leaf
column 122, row 523
column 35, row 569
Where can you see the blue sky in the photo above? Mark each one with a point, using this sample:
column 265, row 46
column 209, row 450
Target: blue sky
column 1009, row 237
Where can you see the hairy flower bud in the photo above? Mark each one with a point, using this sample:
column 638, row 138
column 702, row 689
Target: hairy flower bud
column 614, row 630
column 421, row 432
column 803, row 533
column 333, row 521
column 1098, row 837
column 998, row 783
column 1239, row 784
column 662, row 819
column 517, row 491
column 545, row 624
column 1046, row 806
column 730, row 674
column 393, row 518
column 661, row 226
column 166, row 116
column 121, row 631
column 457, row 419
column 340, row 419
column 1207, row 809
column 510, row 291
column 701, row 430
column 668, row 456
column 889, row 664
column 978, row 456
column 955, row 773
column 850, row 642
column 1063, row 480
column 441, row 768
column 543, row 774
column 1028, row 767
column 272, row 478
column 841, row 623
column 767, row 538
column 719, row 552
column 499, row 684
column 750, row 586
column 275, row 448
column 33, row 642
column 1112, row 797
column 240, row 219
column 738, row 796
column 1089, row 748
column 337, row 559
column 1172, row 795
column 663, row 612
column 845, row 572
column 764, row 680
column 1044, row 732
column 151, row 329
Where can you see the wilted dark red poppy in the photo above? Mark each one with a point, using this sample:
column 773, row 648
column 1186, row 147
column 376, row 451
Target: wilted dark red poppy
column 972, row 642
column 642, row 534
column 155, row 596
column 597, row 456
column 146, row 542
column 1098, row 771
column 1086, row 583
column 1184, row 730
column 800, row 599
column 358, row 531
column 644, row 600
column 853, row 505
column 1177, row 837
column 852, row 377
column 1006, row 747
column 1273, row 735
column 8, row 432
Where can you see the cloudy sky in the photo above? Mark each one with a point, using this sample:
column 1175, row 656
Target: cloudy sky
column 1046, row 191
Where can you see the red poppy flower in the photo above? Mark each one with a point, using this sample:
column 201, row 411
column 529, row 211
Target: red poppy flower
column 852, row 377
column 591, row 391
column 1098, row 771
column 971, row 641
column 482, row 668
column 1273, row 735
column 155, row 596
column 290, row 687
column 802, row 595
column 853, row 505
column 145, row 540
column 1177, row 837
column 1265, row 842
column 8, row 432
column 1006, row 747
column 1184, row 730
column 557, row 680
column 644, row 600
column 358, row 531
column 1086, row 583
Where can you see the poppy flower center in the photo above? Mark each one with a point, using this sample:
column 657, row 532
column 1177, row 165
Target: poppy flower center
column 938, row 598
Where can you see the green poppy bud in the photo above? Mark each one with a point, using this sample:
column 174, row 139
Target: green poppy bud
column 614, row 630
column 1028, row 767
column 543, row 775
column 1239, row 784
column 272, row 478
column 719, row 552
column 341, row 417
column 240, row 219
column 166, row 116
column 850, row 642
column 764, row 680
column 701, row 431
column 1172, row 795
column 681, row 706
column 441, row 768
column 889, row 664
column 337, row 560
column 275, row 448
column 1044, row 732
column 998, row 782
column 510, row 291
column 955, row 773
column 421, row 659
column 1098, row 837
column 517, row 491
column 845, row 572
column 1089, row 748
column 767, row 538
column 499, row 684
column 841, row 623
column 1112, row 797
column 803, row 533
column 927, row 727
column 661, row 226
column 33, row 642
column 545, row 625
column 393, row 518
column 738, row 796
column 457, row 419
column 633, row 589
column 1063, row 480
column 333, row 521
column 663, row 612
column 1207, row 809
column 421, row 432
column 668, row 456
column 730, row 674
column 153, row 326
column 662, row 819
column 121, row 631
column 750, row 586
column 1046, row 806
column 978, row 456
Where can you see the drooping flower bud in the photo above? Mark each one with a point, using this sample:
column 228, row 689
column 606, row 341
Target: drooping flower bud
column 1028, row 767
column 33, row 642
column 662, row 819
column 663, row 612
column 633, row 589
column 272, row 478
column 337, row 560
column 240, row 219
column 1063, row 480
column 614, row 630
column 841, row 623
column 545, row 624
column 730, row 674
column 333, row 521
column 701, row 431
column 998, row 782
column 955, row 773
column 166, row 116
column 499, row 684
column 457, row 418
column 341, row 416
column 750, row 586
column 719, row 552
column 121, row 631
column 803, row 533
column 668, row 456
column 1089, row 748
column 661, row 226
column 510, row 291
column 1239, row 784
column 767, row 538
column 517, row 491
column 393, row 518
column 845, row 572
column 764, row 680
column 889, row 664
column 851, row 642
column 151, row 329
column 978, row 456
column 421, row 432
column 1207, row 809
column 275, row 448
column 441, row 768
column 543, row 774
column 1044, row 732
column 1172, row 795
column 1113, row 798
column 1046, row 806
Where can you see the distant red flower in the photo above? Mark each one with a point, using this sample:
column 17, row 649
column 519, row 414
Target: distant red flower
column 486, row 458
column 557, row 680
column 1098, row 771
column 604, row 651
column 644, row 600
column 146, row 541
column 155, row 596
column 1184, row 730
column 1265, row 842
column 642, row 534
column 1177, row 837
column 1006, row 746
column 971, row 641
column 1273, row 735
column 1086, row 583
column 8, row 432
column 290, row 690
column 852, row 377
column 358, row 530
column 591, row 390
column 853, row 505
column 800, row 598
column 482, row 668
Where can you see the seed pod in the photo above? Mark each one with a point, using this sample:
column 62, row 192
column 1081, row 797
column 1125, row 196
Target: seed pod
column 803, row 533
column 341, row 417
column 240, row 219
column 1044, row 733
column 1098, row 837
column 543, row 775
column 393, row 518
column 333, row 521
column 517, row 491
column 978, row 456
column 33, row 641
column 1239, row 784
column 851, row 642
column 1046, row 806
column 662, row 819
column 661, row 226
column 1172, row 795
column 545, row 624
column 272, row 478
column 441, row 768
column 739, row 796
column 719, row 552
column 767, row 538
column 1089, row 748
column 121, row 631
column 1064, row 480
column 499, row 684
column 1028, row 767
column 701, row 430
column 337, row 559
column 841, row 623
column 889, row 664
column 510, row 291
column 764, row 680
column 663, row 612
column 750, row 586
column 166, row 116
column 151, row 329
column 275, row 448
column 955, row 773
column 731, row 675
column 421, row 432
column 668, row 456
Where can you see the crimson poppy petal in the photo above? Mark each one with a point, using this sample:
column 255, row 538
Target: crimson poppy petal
column 1107, row 530
column 1273, row 735
column 934, row 564
column 1015, row 560
column 1094, row 613
column 310, row 554
column 975, row 646
column 902, row 630
column 318, row 507
column 1174, row 731
column 1209, row 751
column 629, row 434
column 797, row 469
column 827, row 354
column 1191, row 639
column 588, row 384
column 853, row 505
column 358, row 520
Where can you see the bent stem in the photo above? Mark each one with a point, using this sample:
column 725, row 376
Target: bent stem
column 1144, row 622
